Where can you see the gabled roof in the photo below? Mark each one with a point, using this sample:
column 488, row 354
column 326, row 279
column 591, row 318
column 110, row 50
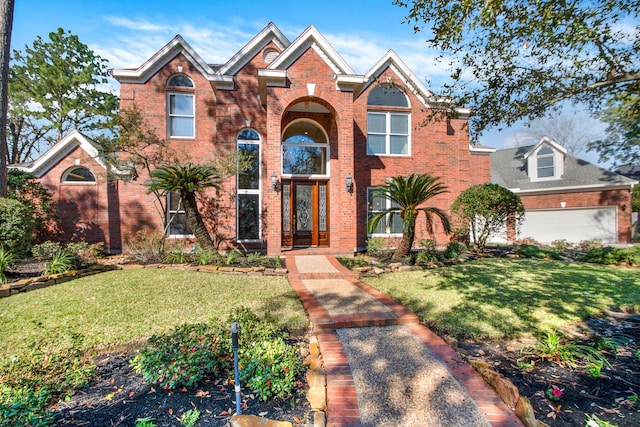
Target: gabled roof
column 545, row 140
column 397, row 65
column 176, row 46
column 509, row 169
column 269, row 34
column 60, row 150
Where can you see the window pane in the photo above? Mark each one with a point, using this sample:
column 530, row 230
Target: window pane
column 180, row 80
column 248, row 217
column 249, row 179
column 181, row 104
column 174, row 201
column 376, row 123
column 400, row 123
column 249, row 135
column 380, row 229
column 181, row 126
column 376, row 203
column 387, row 95
column 376, row 144
column 303, row 160
column 399, row 144
column 545, row 172
column 545, row 150
column 179, row 226
column 396, row 223
column 80, row 175
column 545, row 161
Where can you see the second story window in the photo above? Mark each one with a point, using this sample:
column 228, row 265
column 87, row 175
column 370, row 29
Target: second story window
column 180, row 107
column 545, row 163
column 388, row 122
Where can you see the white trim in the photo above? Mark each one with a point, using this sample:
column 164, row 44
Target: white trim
column 572, row 189
column 250, row 191
column 170, row 116
column 474, row 149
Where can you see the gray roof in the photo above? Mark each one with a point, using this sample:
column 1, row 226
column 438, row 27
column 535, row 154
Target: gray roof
column 509, row 169
column 630, row 171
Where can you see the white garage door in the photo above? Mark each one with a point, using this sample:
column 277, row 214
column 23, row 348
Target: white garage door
column 573, row 225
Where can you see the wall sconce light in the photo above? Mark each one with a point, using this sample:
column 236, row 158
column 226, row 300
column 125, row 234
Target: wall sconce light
column 349, row 184
column 275, row 185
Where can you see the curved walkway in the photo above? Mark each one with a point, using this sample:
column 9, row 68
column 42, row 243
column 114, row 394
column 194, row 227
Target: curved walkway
column 383, row 367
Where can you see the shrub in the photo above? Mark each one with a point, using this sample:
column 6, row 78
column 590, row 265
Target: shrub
column 46, row 250
column 30, row 381
column 589, row 245
column 610, row 256
column 427, row 244
column 85, row 250
column 16, row 225
column 531, row 251
column 232, row 256
column 455, row 249
column 62, row 261
column 425, row 257
column 6, row 258
column 376, row 246
column 147, row 247
column 560, row 245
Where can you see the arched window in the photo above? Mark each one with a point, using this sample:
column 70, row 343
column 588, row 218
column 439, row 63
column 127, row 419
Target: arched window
column 79, row 174
column 305, row 149
column 248, row 181
column 388, row 122
column 180, row 107
column 545, row 162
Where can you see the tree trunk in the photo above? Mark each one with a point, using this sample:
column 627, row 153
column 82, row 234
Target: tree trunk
column 406, row 243
column 194, row 219
column 6, row 24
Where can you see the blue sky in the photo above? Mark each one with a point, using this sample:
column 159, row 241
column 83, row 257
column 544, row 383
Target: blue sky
column 127, row 33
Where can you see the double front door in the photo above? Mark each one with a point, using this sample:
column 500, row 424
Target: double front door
column 305, row 213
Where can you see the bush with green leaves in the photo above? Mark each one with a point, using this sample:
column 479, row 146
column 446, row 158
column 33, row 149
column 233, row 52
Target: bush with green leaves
column 589, row 245
column 609, row 255
column 455, row 249
column 532, row 251
column 189, row 353
column 16, row 225
column 485, row 210
column 425, row 257
column 6, row 258
column 46, row 250
column 31, row 380
column 61, row 262
column 554, row 347
column 376, row 246
column 183, row 357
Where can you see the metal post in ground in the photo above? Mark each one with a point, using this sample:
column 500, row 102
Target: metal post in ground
column 235, row 346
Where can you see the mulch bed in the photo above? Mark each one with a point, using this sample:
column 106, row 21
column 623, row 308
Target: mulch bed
column 118, row 397
column 611, row 397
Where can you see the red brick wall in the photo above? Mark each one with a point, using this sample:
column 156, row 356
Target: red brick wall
column 437, row 148
column 618, row 198
column 83, row 208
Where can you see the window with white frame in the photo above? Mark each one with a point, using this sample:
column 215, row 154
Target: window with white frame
column 305, row 149
column 545, row 162
column 392, row 223
column 248, row 187
column 180, row 107
column 176, row 216
column 388, row 122
column 79, row 174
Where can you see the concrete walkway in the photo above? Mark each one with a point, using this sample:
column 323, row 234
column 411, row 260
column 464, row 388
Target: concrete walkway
column 383, row 367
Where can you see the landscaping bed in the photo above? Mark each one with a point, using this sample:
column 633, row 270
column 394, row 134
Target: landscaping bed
column 118, row 396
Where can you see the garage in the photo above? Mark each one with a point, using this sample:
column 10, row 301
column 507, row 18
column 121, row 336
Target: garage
column 572, row 225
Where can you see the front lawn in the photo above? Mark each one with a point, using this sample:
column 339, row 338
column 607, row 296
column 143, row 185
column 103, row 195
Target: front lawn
column 121, row 306
column 507, row 298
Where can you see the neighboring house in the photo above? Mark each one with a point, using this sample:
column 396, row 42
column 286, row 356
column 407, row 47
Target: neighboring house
column 323, row 138
column 564, row 197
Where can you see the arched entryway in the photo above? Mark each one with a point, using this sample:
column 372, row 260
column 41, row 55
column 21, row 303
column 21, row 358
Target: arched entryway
column 305, row 155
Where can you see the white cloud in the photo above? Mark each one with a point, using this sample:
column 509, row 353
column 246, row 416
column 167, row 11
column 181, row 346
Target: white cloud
column 139, row 25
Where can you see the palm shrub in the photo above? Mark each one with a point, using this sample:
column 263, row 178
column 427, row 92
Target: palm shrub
column 6, row 258
column 407, row 194
column 188, row 180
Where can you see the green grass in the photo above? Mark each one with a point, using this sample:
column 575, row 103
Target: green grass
column 122, row 306
column 498, row 298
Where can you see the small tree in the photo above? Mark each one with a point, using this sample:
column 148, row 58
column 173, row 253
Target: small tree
column 188, row 180
column 406, row 195
column 16, row 225
column 486, row 209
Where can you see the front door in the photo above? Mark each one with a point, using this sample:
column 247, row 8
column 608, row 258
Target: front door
column 305, row 213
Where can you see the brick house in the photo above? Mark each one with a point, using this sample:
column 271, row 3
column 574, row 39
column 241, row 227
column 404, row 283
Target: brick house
column 565, row 197
column 322, row 137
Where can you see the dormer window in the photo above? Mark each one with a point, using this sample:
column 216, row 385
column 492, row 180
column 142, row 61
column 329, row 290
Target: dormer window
column 545, row 163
